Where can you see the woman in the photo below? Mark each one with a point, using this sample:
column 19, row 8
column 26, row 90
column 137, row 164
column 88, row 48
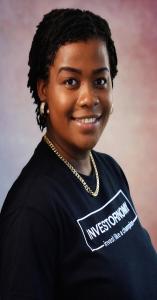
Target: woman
column 69, row 229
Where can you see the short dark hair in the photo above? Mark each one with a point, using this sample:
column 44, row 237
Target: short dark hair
column 58, row 27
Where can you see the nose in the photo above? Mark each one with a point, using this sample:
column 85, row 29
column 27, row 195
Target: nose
column 87, row 96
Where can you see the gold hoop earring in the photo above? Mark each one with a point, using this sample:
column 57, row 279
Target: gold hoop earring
column 97, row 101
column 43, row 107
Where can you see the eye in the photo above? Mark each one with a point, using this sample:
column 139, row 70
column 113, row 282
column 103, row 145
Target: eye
column 101, row 82
column 71, row 82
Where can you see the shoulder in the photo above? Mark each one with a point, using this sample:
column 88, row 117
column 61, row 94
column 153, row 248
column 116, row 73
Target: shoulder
column 106, row 159
column 112, row 167
column 36, row 184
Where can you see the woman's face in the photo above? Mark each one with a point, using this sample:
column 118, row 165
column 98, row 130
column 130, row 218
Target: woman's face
column 78, row 94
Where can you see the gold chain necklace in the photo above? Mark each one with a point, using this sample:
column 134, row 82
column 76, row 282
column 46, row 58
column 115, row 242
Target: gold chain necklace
column 73, row 170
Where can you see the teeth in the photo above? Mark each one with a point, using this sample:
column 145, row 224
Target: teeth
column 88, row 120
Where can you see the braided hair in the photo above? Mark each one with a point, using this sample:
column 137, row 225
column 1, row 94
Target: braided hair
column 58, row 27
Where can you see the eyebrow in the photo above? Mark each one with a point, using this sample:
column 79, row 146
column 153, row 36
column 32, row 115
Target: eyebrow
column 78, row 71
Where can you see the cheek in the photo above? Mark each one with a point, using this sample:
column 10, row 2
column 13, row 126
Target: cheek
column 60, row 110
column 60, row 98
column 63, row 106
column 107, row 102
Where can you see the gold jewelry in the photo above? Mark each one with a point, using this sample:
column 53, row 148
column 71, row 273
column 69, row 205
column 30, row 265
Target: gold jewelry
column 73, row 170
column 42, row 108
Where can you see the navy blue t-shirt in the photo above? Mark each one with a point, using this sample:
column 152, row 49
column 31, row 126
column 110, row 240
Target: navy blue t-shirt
column 59, row 242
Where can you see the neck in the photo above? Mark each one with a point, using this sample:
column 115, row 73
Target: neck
column 82, row 166
column 80, row 160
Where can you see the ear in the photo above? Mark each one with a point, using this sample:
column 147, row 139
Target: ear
column 42, row 89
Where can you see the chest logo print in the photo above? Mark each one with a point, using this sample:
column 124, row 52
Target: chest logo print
column 109, row 223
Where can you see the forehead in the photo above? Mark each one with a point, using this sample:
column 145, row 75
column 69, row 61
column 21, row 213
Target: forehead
column 91, row 53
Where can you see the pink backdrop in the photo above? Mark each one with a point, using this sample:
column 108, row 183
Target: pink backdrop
column 131, row 133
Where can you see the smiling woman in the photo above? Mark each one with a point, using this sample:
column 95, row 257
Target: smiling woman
column 68, row 227
column 78, row 94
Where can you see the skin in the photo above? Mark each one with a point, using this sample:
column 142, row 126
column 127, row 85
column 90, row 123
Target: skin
column 79, row 87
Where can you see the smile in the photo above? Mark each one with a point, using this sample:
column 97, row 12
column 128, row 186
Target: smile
column 87, row 120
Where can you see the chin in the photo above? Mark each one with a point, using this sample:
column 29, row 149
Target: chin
column 87, row 145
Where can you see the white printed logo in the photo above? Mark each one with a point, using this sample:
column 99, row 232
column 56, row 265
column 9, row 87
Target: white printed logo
column 110, row 222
